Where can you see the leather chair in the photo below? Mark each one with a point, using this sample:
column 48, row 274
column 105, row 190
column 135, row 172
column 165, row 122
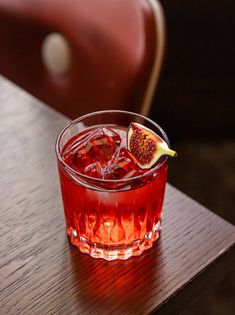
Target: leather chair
column 83, row 55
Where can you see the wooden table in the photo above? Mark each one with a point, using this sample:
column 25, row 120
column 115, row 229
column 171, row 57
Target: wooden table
column 41, row 273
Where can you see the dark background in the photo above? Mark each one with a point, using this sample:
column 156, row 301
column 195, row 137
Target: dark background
column 195, row 100
column 196, row 94
column 195, row 103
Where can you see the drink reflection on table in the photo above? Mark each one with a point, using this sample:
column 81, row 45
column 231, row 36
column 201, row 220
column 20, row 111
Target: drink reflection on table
column 104, row 286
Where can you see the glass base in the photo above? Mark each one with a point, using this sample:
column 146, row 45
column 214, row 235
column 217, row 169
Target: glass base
column 112, row 252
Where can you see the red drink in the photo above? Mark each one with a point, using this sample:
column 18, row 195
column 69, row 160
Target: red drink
column 112, row 207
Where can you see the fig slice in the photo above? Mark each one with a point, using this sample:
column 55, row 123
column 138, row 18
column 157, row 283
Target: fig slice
column 145, row 146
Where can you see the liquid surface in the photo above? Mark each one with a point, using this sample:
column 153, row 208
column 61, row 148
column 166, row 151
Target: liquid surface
column 101, row 153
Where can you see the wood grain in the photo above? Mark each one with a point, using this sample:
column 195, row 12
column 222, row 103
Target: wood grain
column 41, row 273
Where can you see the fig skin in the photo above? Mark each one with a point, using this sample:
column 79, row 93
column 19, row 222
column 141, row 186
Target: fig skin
column 145, row 146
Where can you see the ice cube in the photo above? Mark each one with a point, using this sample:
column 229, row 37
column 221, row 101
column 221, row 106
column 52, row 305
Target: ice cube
column 94, row 170
column 123, row 167
column 73, row 146
column 97, row 146
column 75, row 154
column 101, row 146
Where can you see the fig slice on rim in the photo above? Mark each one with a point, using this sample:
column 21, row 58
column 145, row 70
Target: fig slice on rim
column 146, row 146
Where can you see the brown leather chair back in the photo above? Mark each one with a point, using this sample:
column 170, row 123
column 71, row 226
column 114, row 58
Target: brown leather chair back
column 111, row 52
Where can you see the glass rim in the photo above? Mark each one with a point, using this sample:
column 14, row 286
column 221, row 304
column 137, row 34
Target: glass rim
column 100, row 180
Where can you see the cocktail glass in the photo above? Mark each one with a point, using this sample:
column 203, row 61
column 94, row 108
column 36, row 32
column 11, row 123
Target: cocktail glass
column 111, row 218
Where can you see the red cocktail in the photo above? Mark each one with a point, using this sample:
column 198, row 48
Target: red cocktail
column 112, row 207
